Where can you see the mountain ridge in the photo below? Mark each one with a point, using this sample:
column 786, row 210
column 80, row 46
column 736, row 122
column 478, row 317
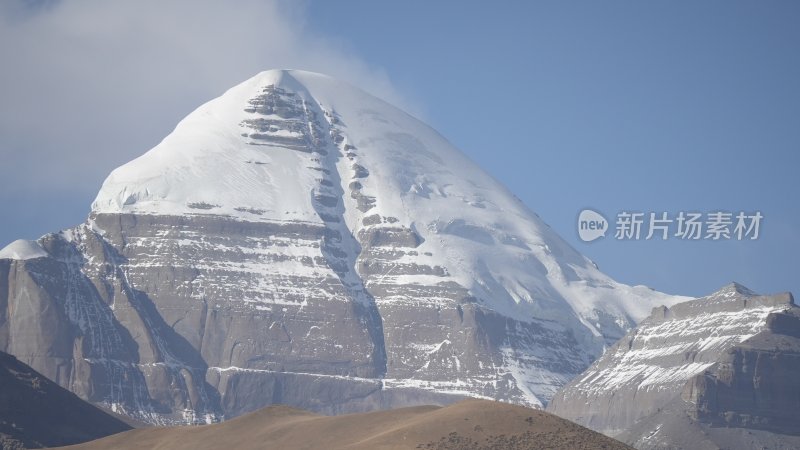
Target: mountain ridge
column 720, row 371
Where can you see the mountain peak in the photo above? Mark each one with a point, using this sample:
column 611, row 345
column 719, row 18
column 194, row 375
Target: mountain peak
column 218, row 161
column 733, row 288
column 291, row 145
column 287, row 79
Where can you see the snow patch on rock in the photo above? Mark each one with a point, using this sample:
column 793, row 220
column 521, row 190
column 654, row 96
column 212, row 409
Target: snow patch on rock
column 22, row 249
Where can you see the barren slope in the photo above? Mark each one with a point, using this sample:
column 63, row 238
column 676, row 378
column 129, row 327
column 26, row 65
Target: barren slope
column 471, row 424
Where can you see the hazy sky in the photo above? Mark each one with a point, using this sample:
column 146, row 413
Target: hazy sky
column 636, row 106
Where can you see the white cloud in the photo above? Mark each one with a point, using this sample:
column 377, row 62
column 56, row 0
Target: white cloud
column 87, row 85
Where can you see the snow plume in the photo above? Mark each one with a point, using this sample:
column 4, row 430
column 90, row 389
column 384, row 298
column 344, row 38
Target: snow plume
column 88, row 84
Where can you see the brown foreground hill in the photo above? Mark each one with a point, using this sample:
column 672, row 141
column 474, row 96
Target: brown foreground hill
column 471, row 424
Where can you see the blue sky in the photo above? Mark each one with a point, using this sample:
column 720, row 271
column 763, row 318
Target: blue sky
column 638, row 106
column 643, row 106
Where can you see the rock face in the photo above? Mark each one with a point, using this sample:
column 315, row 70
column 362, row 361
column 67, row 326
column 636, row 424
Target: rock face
column 299, row 241
column 755, row 385
column 35, row 412
column 722, row 371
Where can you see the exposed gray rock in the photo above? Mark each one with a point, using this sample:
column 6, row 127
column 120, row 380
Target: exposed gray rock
column 167, row 325
column 673, row 429
column 756, row 384
column 718, row 372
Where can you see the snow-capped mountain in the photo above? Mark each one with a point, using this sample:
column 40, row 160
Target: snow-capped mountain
column 297, row 240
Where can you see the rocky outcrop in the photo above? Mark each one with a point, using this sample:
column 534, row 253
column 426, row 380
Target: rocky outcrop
column 756, row 384
column 35, row 412
column 717, row 372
